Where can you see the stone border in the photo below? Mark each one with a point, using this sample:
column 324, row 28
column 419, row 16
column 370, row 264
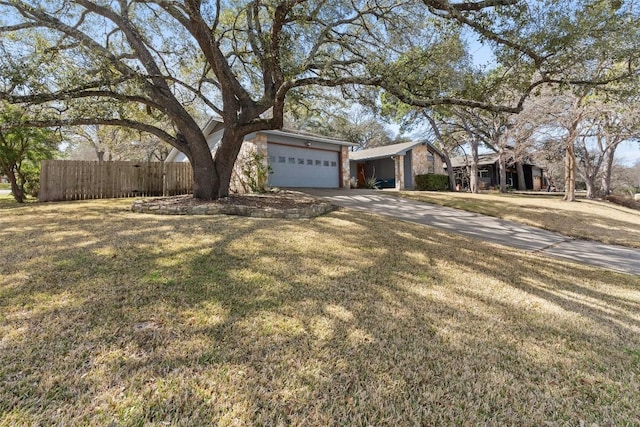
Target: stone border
column 317, row 208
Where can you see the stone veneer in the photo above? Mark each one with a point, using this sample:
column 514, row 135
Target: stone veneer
column 420, row 162
column 302, row 212
column 344, row 164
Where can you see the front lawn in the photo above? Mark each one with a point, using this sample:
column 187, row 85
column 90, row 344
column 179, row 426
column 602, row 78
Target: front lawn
column 597, row 220
column 113, row 318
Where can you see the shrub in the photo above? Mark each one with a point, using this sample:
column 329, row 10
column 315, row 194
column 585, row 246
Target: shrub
column 432, row 182
column 624, row 201
column 256, row 172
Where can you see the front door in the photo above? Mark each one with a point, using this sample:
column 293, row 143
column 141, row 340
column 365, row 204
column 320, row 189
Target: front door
column 361, row 175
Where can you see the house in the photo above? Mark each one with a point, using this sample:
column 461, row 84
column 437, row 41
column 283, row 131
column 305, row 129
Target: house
column 396, row 165
column 295, row 159
column 489, row 172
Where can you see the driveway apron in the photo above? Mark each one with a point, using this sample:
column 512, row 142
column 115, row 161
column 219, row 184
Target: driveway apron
column 486, row 228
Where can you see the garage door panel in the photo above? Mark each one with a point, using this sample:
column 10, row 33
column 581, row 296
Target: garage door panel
column 303, row 167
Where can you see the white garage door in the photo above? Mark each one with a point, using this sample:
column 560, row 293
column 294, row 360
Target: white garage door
column 303, row 167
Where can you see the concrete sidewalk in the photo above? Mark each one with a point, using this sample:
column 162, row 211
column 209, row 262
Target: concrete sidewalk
column 489, row 229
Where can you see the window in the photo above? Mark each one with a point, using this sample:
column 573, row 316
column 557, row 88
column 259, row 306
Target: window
column 326, row 163
column 431, row 163
column 301, row 161
column 334, row 164
column 483, row 173
column 281, row 159
column 309, row 162
column 292, row 160
column 318, row 163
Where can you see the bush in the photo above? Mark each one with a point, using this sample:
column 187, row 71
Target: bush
column 432, row 182
column 624, row 201
column 255, row 172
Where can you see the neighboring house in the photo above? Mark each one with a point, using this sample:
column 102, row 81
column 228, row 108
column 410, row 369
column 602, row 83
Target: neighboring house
column 489, row 172
column 396, row 165
column 296, row 159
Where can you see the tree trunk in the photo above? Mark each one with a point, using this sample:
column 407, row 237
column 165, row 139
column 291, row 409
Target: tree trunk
column 590, row 182
column 605, row 184
column 473, row 176
column 522, row 183
column 225, row 158
column 452, row 175
column 205, row 179
column 502, row 164
column 570, row 173
column 16, row 189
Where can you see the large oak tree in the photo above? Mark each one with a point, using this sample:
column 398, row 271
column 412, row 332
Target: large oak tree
column 86, row 60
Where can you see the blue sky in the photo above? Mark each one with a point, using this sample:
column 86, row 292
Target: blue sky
column 628, row 153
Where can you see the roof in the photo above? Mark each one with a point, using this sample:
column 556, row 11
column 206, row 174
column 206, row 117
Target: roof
column 389, row 150
column 483, row 159
column 486, row 159
column 214, row 124
column 308, row 136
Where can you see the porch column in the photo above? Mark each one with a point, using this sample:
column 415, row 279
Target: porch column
column 399, row 161
column 345, row 168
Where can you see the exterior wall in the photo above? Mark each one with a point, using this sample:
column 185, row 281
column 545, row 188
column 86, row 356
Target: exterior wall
column 382, row 169
column 537, row 178
column 256, row 143
column 353, row 174
column 408, row 179
column 250, row 147
column 421, row 162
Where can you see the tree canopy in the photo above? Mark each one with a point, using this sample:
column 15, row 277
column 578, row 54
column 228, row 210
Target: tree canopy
column 21, row 150
column 94, row 62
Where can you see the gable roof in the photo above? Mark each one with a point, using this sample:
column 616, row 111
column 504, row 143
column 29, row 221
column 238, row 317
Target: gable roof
column 483, row 160
column 384, row 151
column 215, row 124
column 488, row 159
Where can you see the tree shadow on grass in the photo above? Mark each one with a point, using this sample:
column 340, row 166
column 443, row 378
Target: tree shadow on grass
column 345, row 319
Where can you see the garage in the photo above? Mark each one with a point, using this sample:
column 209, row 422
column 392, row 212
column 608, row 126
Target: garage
column 303, row 167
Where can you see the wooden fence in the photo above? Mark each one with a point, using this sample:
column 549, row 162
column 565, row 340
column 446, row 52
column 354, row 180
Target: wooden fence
column 79, row 180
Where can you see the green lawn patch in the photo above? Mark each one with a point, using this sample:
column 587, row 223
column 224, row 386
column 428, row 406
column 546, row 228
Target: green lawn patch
column 113, row 318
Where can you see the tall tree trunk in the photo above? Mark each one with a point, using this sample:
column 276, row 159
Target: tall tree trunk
column 473, row 176
column 450, row 172
column 590, row 182
column 502, row 165
column 205, row 179
column 16, row 189
column 570, row 172
column 225, row 158
column 605, row 187
column 522, row 183
column 605, row 182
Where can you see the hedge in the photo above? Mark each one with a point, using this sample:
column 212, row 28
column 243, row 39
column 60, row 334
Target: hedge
column 432, row 182
column 624, row 201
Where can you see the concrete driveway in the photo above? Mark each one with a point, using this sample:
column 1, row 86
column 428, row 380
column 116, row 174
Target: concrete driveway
column 489, row 229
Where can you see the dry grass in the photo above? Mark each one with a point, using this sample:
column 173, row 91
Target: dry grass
column 114, row 318
column 596, row 220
